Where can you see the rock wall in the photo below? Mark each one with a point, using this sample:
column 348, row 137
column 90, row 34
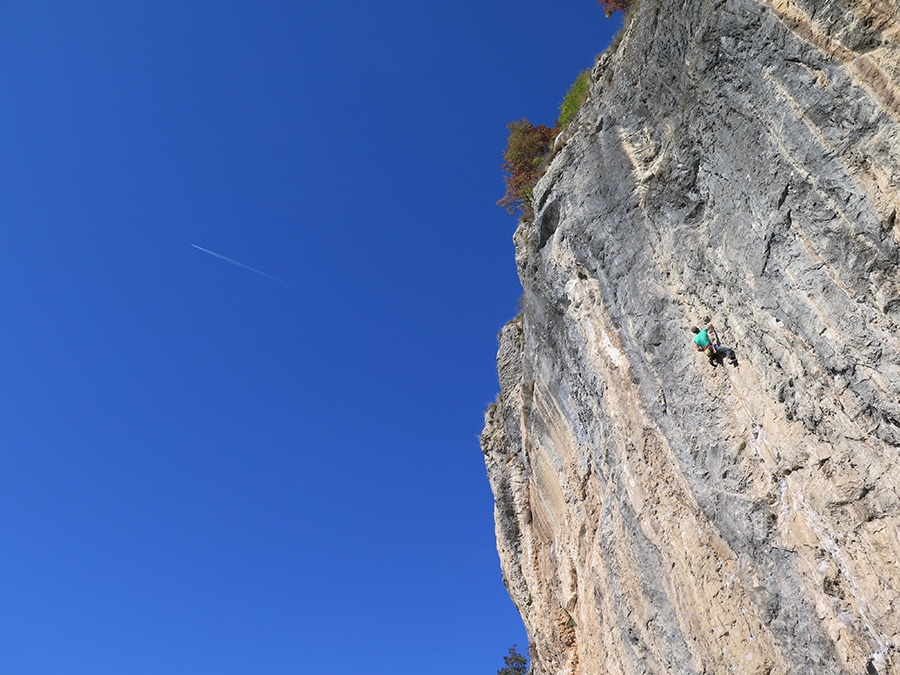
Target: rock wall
column 738, row 160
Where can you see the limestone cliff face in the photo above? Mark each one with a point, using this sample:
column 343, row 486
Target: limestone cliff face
column 738, row 160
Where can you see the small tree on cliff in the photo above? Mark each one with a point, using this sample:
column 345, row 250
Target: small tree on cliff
column 526, row 148
column 516, row 664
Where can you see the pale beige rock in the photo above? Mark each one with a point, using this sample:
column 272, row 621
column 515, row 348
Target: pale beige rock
column 739, row 160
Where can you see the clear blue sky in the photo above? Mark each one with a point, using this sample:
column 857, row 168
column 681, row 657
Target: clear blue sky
column 203, row 470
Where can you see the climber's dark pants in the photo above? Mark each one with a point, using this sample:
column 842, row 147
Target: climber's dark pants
column 717, row 353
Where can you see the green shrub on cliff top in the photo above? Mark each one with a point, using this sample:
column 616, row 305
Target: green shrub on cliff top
column 575, row 98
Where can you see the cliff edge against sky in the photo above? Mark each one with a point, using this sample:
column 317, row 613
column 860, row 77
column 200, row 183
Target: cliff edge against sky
column 737, row 160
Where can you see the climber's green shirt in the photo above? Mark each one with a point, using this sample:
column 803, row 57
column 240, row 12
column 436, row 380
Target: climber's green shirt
column 702, row 340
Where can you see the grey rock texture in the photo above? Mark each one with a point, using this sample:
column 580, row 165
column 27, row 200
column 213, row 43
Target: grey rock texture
column 737, row 160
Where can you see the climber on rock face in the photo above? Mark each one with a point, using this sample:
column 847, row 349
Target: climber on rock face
column 715, row 352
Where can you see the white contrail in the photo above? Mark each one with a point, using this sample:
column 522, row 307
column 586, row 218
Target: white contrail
column 246, row 267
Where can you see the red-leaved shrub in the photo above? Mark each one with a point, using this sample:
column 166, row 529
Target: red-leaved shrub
column 526, row 148
column 613, row 6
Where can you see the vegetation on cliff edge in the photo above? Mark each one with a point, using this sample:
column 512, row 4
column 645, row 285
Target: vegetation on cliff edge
column 523, row 162
column 613, row 6
column 575, row 98
column 529, row 147
column 516, row 664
